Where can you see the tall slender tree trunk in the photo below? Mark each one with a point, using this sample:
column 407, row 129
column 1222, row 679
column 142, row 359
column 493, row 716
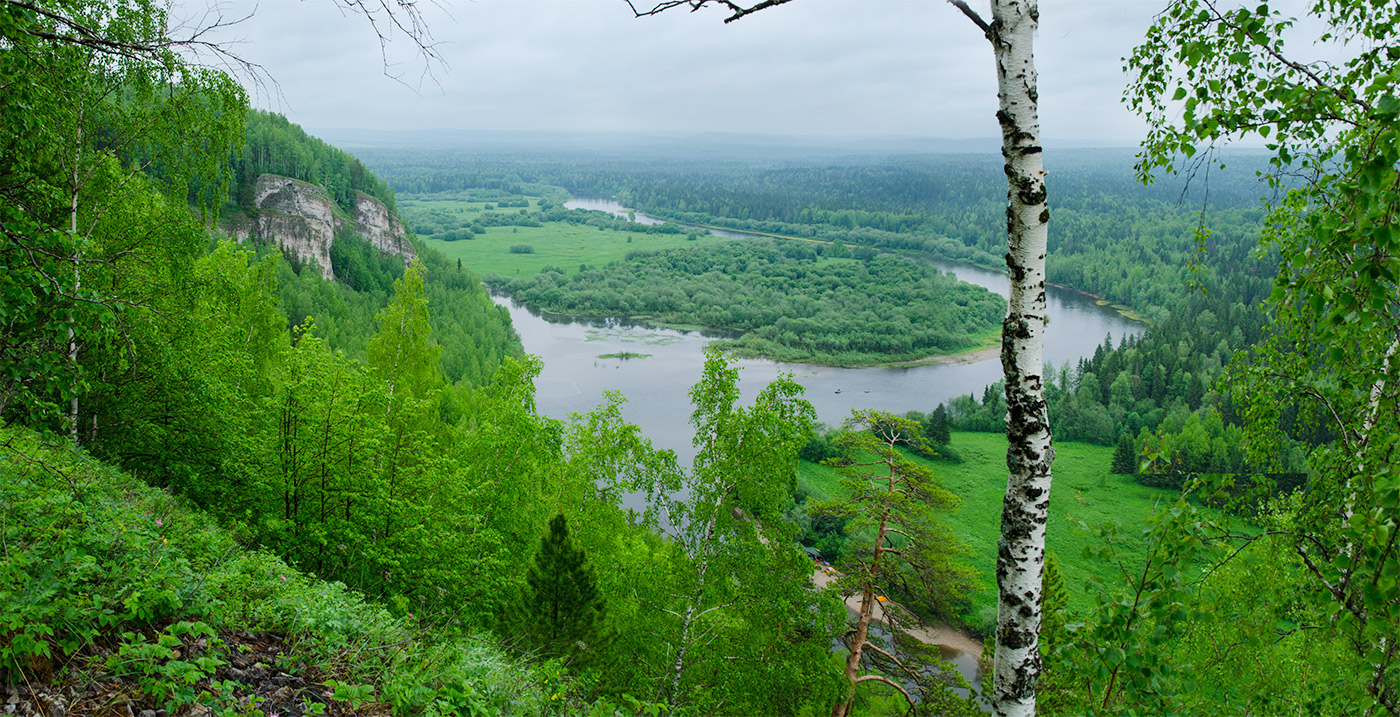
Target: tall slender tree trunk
column 687, row 622
column 852, row 671
column 77, row 280
column 697, row 600
column 1021, row 549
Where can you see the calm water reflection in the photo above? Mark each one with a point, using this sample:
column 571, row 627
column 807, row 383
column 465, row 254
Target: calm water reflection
column 574, row 377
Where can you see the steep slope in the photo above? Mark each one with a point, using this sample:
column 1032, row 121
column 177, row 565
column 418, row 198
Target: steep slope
column 116, row 598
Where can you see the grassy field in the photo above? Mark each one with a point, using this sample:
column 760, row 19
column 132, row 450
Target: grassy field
column 557, row 244
column 1084, row 492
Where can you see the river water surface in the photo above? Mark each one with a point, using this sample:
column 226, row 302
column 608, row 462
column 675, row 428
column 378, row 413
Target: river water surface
column 575, row 377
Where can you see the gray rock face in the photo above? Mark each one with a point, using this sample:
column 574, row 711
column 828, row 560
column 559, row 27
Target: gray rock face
column 302, row 219
column 383, row 230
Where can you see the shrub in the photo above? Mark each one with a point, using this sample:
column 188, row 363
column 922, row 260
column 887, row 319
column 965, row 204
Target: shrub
column 522, row 249
column 95, row 557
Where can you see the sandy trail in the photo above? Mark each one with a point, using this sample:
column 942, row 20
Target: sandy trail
column 940, row 633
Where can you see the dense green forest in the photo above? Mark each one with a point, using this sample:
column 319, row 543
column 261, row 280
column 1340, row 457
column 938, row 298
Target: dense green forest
column 1111, row 236
column 1170, row 377
column 230, row 486
column 791, row 304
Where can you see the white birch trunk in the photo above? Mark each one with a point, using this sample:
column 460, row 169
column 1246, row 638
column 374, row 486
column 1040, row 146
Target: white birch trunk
column 77, row 280
column 697, row 601
column 1021, row 548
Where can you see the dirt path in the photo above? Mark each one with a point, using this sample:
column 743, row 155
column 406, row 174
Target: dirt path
column 940, row 633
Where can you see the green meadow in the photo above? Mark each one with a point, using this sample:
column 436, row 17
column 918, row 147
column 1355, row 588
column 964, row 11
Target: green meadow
column 564, row 246
column 558, row 244
column 1084, row 492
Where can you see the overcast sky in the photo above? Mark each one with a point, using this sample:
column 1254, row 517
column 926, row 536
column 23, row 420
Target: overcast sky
column 856, row 68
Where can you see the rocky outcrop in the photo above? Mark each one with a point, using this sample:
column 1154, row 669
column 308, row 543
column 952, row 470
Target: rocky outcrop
column 303, row 220
column 381, row 227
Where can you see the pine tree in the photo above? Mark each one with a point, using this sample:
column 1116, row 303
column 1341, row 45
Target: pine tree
column 1124, row 462
column 560, row 604
column 900, row 540
column 937, row 429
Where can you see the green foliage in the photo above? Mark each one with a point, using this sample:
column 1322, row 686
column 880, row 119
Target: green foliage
column 624, row 355
column 821, row 446
column 897, row 545
column 1055, row 611
column 1331, row 355
column 98, row 558
column 86, row 560
column 522, row 249
column 739, row 627
column 160, row 669
column 938, row 427
column 883, row 490
column 401, row 352
column 474, row 333
column 1086, row 495
column 362, row 267
column 1157, row 381
column 1137, row 610
column 80, row 121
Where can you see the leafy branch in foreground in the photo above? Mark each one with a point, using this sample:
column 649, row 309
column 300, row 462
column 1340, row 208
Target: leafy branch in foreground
column 1333, row 128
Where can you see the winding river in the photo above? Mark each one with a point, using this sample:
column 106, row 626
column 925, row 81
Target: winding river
column 575, row 377
column 656, row 387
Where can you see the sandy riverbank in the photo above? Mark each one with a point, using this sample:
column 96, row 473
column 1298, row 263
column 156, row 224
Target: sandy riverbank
column 941, row 633
column 982, row 354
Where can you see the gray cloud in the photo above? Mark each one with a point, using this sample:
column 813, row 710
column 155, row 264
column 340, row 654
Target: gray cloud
column 815, row 67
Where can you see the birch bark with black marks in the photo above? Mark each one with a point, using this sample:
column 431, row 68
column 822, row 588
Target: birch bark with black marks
column 1021, row 548
column 73, row 191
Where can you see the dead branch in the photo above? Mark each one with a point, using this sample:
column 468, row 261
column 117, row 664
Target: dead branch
column 737, row 11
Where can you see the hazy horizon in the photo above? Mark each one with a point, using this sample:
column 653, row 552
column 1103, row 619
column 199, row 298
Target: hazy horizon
column 879, row 70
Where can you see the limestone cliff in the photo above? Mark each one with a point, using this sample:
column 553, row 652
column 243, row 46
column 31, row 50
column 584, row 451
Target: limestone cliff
column 303, row 220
